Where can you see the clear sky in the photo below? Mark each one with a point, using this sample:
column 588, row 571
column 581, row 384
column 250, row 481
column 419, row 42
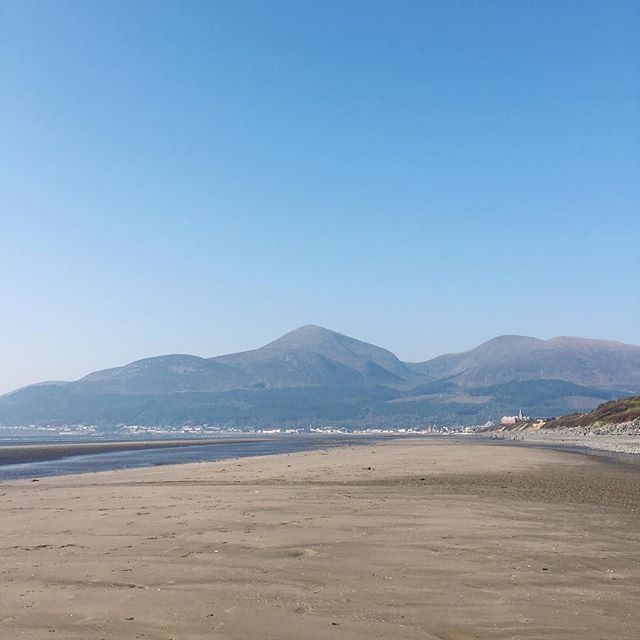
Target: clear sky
column 201, row 177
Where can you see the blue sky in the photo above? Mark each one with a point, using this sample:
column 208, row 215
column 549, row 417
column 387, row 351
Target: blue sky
column 201, row 177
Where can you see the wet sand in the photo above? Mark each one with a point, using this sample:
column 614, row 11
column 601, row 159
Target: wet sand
column 21, row 453
column 423, row 539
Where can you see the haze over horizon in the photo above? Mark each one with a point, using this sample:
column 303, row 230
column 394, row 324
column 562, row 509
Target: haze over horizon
column 204, row 178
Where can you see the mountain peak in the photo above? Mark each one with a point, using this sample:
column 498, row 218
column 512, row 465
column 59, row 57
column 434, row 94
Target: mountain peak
column 307, row 334
column 572, row 341
column 310, row 330
column 312, row 355
column 510, row 340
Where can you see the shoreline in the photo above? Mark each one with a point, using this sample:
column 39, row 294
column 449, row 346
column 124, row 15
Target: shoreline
column 37, row 452
column 598, row 447
column 42, row 461
column 625, row 445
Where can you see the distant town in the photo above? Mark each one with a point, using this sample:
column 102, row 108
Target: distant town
column 82, row 430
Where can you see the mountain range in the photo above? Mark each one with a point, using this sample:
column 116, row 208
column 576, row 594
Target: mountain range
column 316, row 376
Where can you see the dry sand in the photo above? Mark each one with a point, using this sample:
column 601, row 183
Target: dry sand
column 424, row 539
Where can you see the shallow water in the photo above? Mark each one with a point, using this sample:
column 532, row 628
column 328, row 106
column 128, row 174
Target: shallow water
column 128, row 459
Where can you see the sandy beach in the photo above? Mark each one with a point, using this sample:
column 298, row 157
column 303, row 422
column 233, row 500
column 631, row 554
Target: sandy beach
column 406, row 539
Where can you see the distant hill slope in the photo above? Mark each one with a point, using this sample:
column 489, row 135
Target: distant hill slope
column 314, row 375
column 163, row 374
column 593, row 363
column 307, row 357
column 609, row 413
column 312, row 357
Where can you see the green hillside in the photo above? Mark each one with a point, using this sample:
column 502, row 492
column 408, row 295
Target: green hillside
column 612, row 412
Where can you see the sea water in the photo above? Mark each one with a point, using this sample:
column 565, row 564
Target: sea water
column 129, row 459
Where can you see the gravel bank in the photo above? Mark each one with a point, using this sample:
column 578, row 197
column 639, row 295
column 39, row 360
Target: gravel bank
column 599, row 440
